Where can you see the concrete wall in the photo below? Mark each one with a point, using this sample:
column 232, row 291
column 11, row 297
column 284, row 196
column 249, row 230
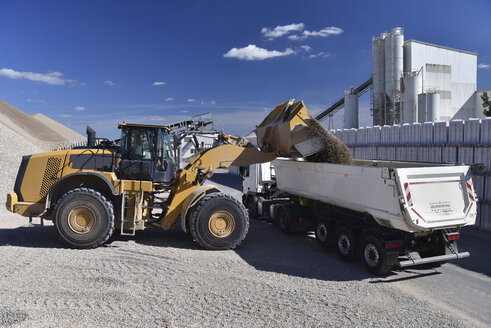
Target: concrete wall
column 456, row 141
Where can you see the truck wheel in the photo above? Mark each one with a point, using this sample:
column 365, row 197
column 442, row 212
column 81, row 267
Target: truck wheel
column 218, row 222
column 251, row 207
column 84, row 218
column 322, row 232
column 345, row 243
column 373, row 256
column 283, row 219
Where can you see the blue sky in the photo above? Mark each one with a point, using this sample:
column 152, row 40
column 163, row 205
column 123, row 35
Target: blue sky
column 97, row 62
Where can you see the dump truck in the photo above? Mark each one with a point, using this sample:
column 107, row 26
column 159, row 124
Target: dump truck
column 387, row 213
column 133, row 183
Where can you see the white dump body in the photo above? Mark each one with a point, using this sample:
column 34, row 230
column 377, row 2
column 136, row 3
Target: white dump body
column 399, row 195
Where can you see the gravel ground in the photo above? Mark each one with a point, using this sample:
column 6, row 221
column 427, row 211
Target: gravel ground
column 162, row 279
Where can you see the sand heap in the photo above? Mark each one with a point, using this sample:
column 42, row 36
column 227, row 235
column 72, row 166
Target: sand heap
column 335, row 151
column 37, row 126
column 22, row 134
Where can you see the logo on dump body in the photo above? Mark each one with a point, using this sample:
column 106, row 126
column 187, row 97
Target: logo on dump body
column 440, row 207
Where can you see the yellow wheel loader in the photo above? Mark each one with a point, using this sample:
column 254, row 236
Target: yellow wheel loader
column 133, row 183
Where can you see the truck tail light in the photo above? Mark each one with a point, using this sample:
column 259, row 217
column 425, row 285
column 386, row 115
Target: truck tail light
column 393, row 244
column 454, row 236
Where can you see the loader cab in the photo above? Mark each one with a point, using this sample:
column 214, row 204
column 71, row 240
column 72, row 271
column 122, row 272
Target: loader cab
column 146, row 153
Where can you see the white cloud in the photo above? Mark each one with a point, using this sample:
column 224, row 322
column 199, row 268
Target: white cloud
column 483, row 66
column 80, row 108
column 29, row 100
column 306, row 48
column 251, row 52
column 191, row 100
column 65, row 115
column 156, row 118
column 281, row 30
column 156, row 83
column 83, row 83
column 169, row 99
column 325, row 32
column 184, row 111
column 213, row 102
column 320, row 54
column 111, row 83
column 50, row 78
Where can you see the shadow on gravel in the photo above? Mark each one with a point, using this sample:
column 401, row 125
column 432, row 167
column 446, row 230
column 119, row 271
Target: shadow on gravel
column 268, row 249
column 415, row 276
column 34, row 236
column 175, row 238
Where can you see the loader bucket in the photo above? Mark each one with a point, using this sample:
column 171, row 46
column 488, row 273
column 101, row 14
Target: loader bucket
column 286, row 132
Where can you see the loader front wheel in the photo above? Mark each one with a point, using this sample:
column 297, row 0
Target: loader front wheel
column 218, row 222
column 84, row 218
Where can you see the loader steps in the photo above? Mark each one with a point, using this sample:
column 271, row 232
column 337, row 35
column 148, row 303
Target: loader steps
column 136, row 207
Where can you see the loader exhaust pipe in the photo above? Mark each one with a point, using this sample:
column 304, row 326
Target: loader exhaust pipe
column 90, row 137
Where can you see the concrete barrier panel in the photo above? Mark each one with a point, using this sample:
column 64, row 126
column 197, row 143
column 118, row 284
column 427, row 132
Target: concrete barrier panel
column 423, row 154
column 456, row 132
column 472, row 131
column 486, row 131
column 440, row 132
column 449, row 154
column 483, row 155
column 435, row 154
column 427, row 133
column 415, row 135
column 401, row 153
column 395, row 135
column 385, row 135
column 466, row 155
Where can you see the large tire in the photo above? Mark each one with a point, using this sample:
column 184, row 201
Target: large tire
column 372, row 254
column 345, row 241
column 251, row 207
column 283, row 218
column 218, row 222
column 322, row 233
column 84, row 218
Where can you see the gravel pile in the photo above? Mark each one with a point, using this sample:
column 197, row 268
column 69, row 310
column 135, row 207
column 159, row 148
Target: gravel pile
column 12, row 147
column 335, row 151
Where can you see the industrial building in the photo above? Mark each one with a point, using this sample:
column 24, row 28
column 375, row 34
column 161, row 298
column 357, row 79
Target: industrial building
column 414, row 81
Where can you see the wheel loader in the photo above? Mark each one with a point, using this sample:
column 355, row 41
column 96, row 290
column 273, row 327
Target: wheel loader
column 133, row 183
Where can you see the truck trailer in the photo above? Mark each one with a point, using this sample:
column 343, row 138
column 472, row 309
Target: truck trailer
column 387, row 213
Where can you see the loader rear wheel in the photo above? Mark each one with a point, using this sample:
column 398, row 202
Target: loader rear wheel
column 218, row 222
column 84, row 218
column 345, row 243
